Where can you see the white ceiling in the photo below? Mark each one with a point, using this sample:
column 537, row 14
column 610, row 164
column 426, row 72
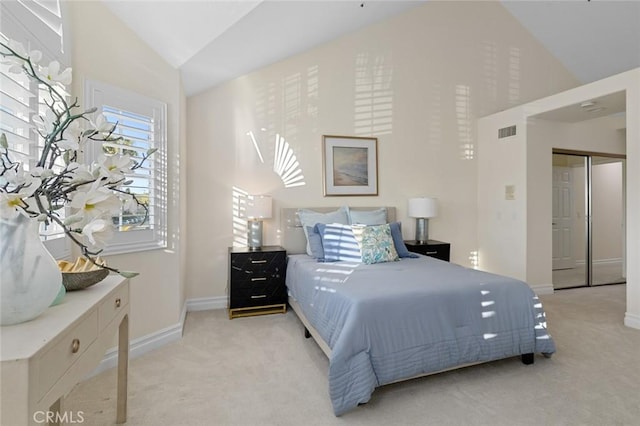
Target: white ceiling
column 214, row 41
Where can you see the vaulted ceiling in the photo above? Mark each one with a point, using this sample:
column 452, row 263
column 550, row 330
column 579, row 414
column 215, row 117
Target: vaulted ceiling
column 214, row 41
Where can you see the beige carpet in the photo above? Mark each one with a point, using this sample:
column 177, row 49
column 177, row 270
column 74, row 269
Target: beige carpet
column 261, row 371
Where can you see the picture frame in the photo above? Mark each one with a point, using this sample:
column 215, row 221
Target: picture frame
column 350, row 165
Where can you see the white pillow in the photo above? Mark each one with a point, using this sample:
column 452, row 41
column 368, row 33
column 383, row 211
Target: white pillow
column 311, row 217
column 368, row 217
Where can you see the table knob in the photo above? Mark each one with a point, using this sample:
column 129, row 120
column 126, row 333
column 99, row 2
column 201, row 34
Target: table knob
column 75, row 346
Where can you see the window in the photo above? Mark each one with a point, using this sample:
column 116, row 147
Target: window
column 141, row 122
column 38, row 25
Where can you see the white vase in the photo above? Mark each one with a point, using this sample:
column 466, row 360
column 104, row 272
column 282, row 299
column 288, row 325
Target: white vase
column 29, row 276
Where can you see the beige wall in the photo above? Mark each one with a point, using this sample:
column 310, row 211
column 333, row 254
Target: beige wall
column 104, row 49
column 416, row 82
column 537, row 138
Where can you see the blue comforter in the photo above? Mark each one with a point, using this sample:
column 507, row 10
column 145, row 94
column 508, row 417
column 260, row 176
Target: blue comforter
column 391, row 321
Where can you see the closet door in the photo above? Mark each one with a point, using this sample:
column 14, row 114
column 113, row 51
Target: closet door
column 569, row 221
column 607, row 220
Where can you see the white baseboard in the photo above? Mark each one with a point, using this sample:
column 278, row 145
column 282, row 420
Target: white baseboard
column 207, row 303
column 632, row 320
column 159, row 338
column 541, row 289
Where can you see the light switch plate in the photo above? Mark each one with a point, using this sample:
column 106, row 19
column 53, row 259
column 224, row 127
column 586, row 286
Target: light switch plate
column 510, row 192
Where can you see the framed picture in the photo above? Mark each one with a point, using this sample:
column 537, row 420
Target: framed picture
column 350, row 165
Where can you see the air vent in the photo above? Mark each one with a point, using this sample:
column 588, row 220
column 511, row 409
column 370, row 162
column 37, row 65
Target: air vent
column 505, row 132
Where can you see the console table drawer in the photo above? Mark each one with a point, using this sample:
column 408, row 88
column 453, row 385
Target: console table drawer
column 113, row 305
column 63, row 354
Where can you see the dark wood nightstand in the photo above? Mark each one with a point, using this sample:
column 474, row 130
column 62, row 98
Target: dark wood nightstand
column 256, row 281
column 433, row 248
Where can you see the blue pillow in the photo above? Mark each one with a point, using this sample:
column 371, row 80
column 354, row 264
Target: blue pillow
column 398, row 242
column 339, row 243
column 309, row 218
column 368, row 217
column 315, row 243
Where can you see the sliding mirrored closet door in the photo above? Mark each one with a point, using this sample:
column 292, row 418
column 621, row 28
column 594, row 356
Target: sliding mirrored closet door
column 607, row 220
column 587, row 220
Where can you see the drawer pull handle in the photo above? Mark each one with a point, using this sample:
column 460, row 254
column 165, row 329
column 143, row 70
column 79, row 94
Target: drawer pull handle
column 432, row 252
column 75, row 346
column 258, row 261
column 259, row 279
column 262, row 296
column 118, row 302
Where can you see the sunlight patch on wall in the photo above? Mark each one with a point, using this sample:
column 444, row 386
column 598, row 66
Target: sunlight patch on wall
column 286, row 165
column 291, row 104
column 239, row 221
column 435, row 124
column 265, row 107
column 490, row 71
column 514, row 76
column 313, row 84
column 473, row 258
column 255, row 145
column 373, row 103
column 464, row 121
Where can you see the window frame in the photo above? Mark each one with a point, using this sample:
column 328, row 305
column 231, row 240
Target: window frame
column 99, row 94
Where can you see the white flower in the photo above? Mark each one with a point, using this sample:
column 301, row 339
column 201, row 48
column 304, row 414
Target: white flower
column 97, row 233
column 10, row 204
column 102, row 125
column 96, row 202
column 52, row 73
column 128, row 202
column 14, row 179
column 41, row 172
column 113, row 167
column 71, row 137
column 46, row 124
column 17, row 64
column 79, row 173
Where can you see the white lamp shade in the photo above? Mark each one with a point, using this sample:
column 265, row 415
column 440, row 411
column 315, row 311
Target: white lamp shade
column 259, row 207
column 423, row 207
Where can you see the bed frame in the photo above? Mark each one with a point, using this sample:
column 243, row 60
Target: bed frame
column 294, row 241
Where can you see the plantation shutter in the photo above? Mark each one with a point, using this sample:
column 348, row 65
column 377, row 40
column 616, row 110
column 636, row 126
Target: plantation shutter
column 141, row 123
column 38, row 25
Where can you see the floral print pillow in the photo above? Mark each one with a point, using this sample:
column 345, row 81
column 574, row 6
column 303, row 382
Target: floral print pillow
column 376, row 243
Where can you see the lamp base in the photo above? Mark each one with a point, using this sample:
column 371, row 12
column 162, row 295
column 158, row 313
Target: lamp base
column 422, row 230
column 254, row 234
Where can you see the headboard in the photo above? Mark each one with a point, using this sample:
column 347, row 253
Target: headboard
column 292, row 237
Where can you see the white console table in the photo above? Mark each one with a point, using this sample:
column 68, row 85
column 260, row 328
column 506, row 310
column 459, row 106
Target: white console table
column 43, row 359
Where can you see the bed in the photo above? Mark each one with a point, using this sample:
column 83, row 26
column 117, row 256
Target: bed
column 386, row 322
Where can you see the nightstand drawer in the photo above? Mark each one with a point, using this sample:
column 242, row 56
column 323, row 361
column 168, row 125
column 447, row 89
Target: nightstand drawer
column 258, row 280
column 432, row 248
column 257, row 264
column 270, row 293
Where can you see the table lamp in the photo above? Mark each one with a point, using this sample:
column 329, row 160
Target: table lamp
column 258, row 208
column 422, row 209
